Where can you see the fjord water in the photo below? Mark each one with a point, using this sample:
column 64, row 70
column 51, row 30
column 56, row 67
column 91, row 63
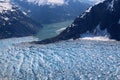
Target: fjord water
column 68, row 60
column 53, row 29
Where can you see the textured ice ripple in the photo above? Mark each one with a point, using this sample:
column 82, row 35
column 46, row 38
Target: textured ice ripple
column 71, row 60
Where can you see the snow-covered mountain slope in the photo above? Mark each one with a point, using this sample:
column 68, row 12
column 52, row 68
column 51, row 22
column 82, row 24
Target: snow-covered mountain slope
column 90, row 1
column 71, row 60
column 5, row 6
column 102, row 19
column 15, row 23
column 50, row 2
column 47, row 2
column 48, row 13
column 58, row 2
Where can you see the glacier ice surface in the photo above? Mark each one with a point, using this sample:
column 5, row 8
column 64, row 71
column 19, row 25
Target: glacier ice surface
column 68, row 60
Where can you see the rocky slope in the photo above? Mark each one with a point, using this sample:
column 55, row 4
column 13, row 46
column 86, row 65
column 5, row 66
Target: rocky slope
column 47, row 11
column 102, row 19
column 15, row 23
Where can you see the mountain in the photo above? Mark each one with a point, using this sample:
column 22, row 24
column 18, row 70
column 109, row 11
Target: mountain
column 15, row 23
column 102, row 19
column 52, row 11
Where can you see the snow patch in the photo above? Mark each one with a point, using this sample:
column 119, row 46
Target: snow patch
column 111, row 5
column 119, row 21
column 99, row 1
column 60, row 30
column 4, row 6
column 24, row 13
column 97, row 32
column 56, row 2
column 6, row 18
column 47, row 2
column 82, row 15
column 95, row 38
column 89, row 9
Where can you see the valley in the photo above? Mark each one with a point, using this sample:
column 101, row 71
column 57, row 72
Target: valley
column 64, row 40
column 52, row 30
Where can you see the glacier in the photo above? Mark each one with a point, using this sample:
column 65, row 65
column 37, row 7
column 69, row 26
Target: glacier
column 81, row 59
